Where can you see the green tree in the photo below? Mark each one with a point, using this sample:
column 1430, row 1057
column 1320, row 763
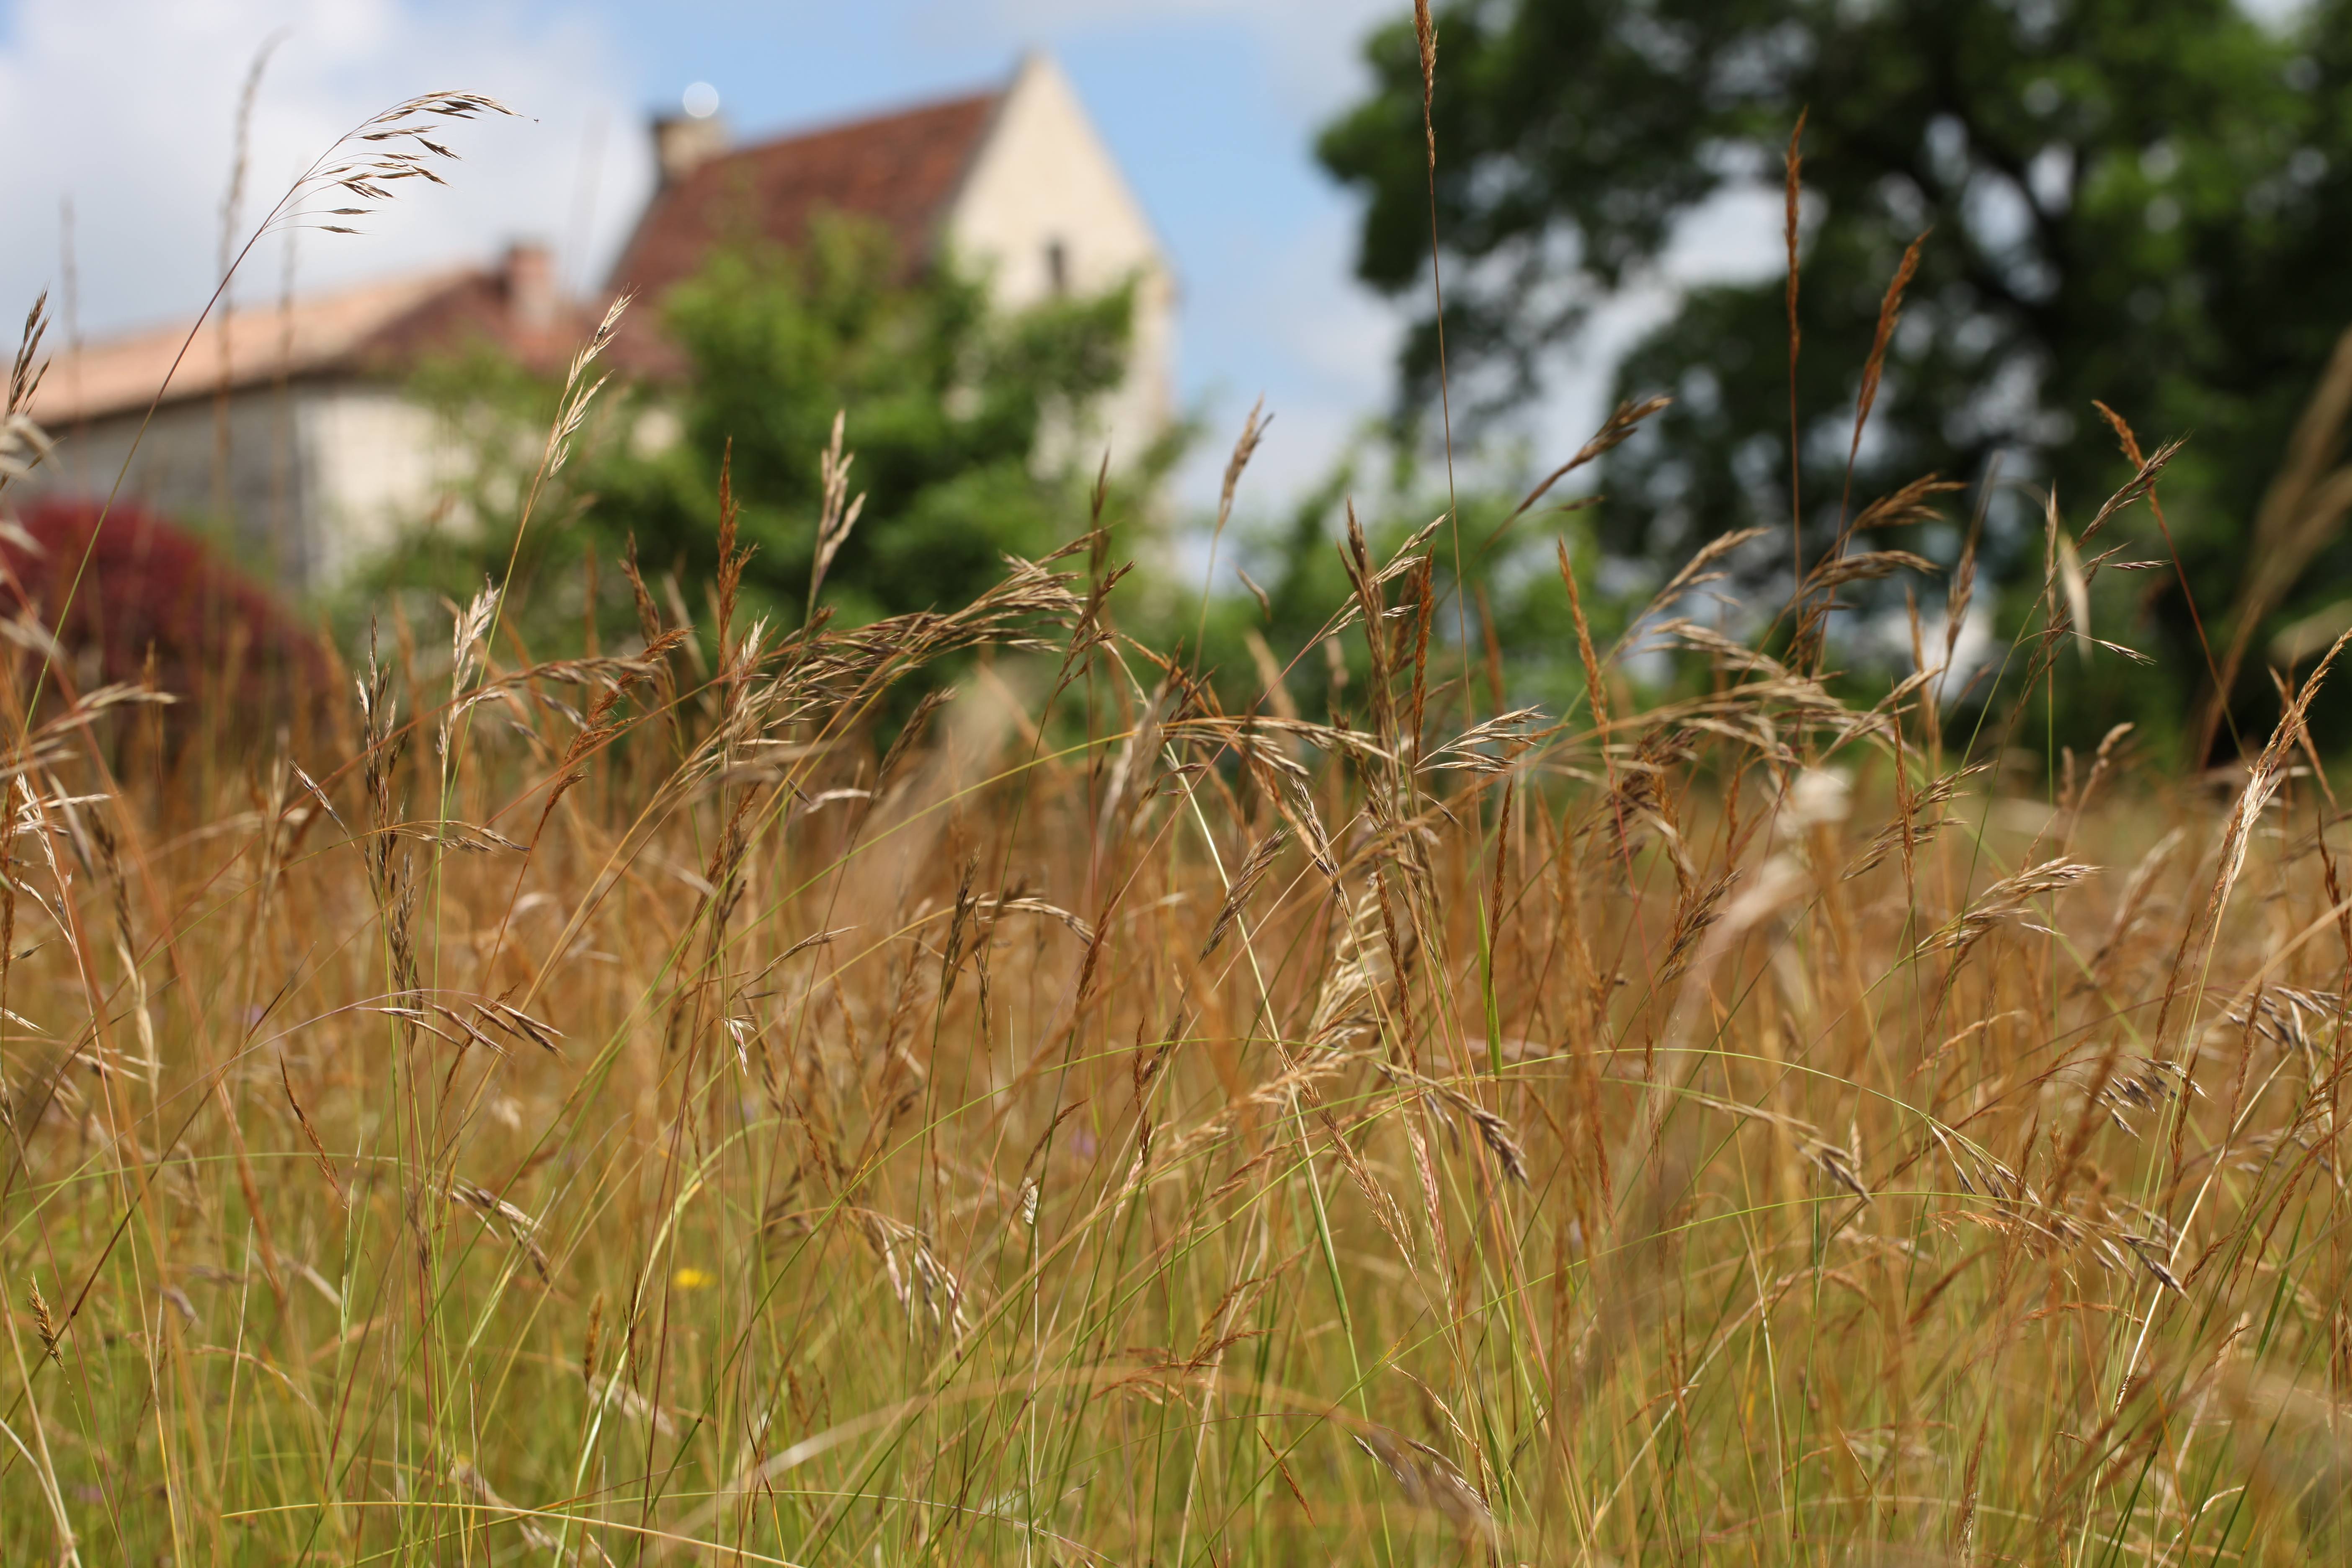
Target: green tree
column 2143, row 202
column 1498, row 606
column 954, row 413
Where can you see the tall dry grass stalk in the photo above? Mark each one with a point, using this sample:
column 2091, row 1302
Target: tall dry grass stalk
column 2302, row 514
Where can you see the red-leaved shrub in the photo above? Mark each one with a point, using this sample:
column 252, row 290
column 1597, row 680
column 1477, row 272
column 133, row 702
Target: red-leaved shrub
column 152, row 589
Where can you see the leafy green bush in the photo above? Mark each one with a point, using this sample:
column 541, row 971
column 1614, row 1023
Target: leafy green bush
column 967, row 427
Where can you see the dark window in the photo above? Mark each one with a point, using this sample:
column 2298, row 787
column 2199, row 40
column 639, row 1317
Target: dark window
column 1057, row 267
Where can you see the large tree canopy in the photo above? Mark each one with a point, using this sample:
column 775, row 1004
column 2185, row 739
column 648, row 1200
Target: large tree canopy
column 2145, row 202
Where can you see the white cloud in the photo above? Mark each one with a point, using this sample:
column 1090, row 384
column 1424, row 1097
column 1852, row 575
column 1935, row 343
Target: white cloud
column 127, row 109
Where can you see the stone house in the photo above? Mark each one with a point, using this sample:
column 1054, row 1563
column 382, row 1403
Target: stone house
column 292, row 423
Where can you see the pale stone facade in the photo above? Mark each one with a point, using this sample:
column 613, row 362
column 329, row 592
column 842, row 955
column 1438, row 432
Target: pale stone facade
column 321, row 476
column 1043, row 211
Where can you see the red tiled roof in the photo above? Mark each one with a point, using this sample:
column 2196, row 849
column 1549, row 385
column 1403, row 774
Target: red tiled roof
column 376, row 328
column 478, row 308
column 900, row 170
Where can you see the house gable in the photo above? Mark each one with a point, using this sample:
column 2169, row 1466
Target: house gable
column 1043, row 208
column 1044, row 211
column 1015, row 183
column 899, row 170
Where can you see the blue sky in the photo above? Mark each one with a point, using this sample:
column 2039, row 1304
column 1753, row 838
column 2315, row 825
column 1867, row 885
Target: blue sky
column 1211, row 106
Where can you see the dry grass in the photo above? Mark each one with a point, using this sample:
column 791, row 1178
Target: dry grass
column 601, row 1109
column 611, row 1109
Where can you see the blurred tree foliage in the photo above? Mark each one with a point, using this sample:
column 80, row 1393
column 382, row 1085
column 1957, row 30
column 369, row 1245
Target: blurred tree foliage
column 2145, row 202
column 1498, row 608
column 968, row 428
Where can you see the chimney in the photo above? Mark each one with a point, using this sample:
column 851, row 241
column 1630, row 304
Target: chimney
column 683, row 143
column 528, row 273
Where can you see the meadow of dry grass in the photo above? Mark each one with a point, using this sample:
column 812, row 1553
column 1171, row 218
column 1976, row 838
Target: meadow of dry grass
column 697, row 1104
column 612, row 1111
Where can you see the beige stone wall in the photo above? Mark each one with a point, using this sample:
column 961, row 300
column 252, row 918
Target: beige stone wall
column 380, row 461
column 255, row 507
column 1044, row 181
column 320, row 477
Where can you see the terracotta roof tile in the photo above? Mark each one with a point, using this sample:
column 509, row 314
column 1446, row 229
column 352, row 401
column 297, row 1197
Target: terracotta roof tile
column 900, row 170
column 380, row 329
